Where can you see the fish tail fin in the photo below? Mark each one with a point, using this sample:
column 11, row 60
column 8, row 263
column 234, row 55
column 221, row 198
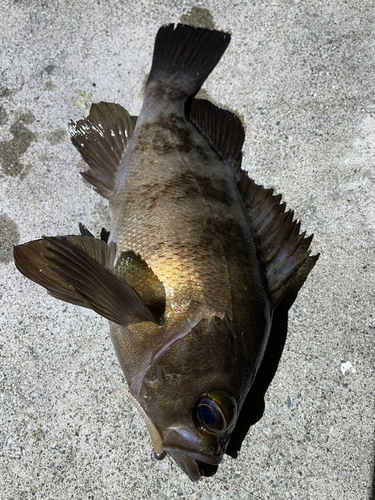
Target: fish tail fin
column 184, row 56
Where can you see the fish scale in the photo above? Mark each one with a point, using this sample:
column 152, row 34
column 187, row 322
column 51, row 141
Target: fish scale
column 191, row 188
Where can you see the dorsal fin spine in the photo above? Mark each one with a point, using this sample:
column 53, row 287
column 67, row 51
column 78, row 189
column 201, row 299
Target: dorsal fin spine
column 288, row 276
column 285, row 254
column 282, row 224
column 271, row 218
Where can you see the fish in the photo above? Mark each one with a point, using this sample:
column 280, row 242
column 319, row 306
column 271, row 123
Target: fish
column 200, row 266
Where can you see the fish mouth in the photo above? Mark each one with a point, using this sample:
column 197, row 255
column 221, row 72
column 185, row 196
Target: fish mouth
column 182, row 445
column 195, row 469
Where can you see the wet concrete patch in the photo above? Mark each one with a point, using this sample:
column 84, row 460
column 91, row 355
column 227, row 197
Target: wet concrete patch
column 58, row 135
column 199, row 18
column 11, row 151
column 3, row 115
column 9, row 236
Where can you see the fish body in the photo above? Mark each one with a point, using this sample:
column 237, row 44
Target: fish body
column 180, row 209
column 200, row 267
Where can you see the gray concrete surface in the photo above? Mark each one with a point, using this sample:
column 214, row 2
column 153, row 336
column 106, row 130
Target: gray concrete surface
column 301, row 76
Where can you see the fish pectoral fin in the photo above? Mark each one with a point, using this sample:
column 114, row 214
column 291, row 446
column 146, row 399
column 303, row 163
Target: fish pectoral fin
column 102, row 139
column 285, row 251
column 95, row 248
column 222, row 129
column 72, row 269
column 136, row 272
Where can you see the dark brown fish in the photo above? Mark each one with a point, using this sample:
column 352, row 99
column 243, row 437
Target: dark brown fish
column 201, row 264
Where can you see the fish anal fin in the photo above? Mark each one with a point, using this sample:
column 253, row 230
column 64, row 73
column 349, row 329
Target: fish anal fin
column 73, row 268
column 222, row 129
column 136, row 272
column 102, row 139
column 285, row 251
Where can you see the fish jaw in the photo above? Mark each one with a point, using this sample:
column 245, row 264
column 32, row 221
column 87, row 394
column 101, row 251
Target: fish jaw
column 195, row 469
column 183, row 446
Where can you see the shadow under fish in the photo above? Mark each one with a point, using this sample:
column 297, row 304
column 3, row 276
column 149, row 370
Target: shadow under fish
column 201, row 264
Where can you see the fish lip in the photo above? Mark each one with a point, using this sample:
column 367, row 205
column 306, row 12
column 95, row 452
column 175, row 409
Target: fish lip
column 188, row 465
column 196, row 456
column 184, row 448
column 194, row 468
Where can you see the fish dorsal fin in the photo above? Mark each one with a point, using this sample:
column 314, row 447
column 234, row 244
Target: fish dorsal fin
column 102, row 139
column 73, row 269
column 298, row 280
column 135, row 271
column 285, row 251
column 222, row 129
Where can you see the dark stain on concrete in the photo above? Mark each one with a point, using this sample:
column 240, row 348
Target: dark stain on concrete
column 57, row 136
column 9, row 236
column 3, row 115
column 27, row 118
column 5, row 92
column 50, row 68
column 199, row 18
column 11, row 151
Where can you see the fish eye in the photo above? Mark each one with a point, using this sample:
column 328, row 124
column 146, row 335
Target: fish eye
column 210, row 415
column 215, row 411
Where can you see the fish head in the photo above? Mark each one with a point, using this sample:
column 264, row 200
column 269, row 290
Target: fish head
column 192, row 393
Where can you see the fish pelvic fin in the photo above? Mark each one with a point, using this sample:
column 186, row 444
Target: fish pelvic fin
column 74, row 269
column 184, row 56
column 285, row 251
column 104, row 234
column 102, row 139
column 222, row 129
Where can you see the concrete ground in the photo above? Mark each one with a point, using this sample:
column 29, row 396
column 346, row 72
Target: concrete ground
column 301, row 77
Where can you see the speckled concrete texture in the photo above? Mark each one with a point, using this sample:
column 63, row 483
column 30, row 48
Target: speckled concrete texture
column 301, row 77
